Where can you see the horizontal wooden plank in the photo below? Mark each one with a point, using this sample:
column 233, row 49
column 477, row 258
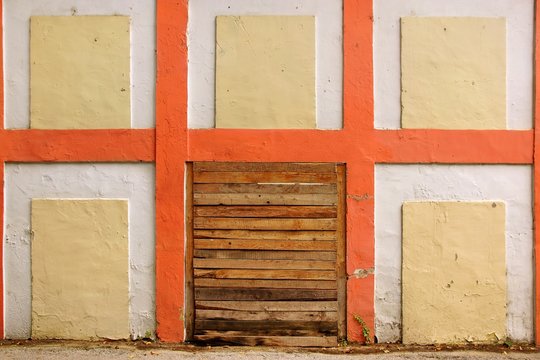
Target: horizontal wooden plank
column 268, row 284
column 265, row 245
column 266, row 211
column 265, row 255
column 205, row 223
column 296, row 341
column 263, row 264
column 265, row 199
column 264, row 294
column 265, row 188
column 264, row 166
column 268, row 332
column 250, row 177
column 266, row 235
column 263, row 315
column 268, row 305
column 265, row 274
column 232, row 325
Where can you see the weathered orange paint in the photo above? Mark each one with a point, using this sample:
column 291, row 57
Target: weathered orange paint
column 537, row 174
column 359, row 308
column 77, row 145
column 454, row 146
column 171, row 154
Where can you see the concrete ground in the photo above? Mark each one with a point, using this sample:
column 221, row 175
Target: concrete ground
column 117, row 351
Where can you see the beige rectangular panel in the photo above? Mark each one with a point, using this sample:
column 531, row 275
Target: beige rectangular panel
column 454, row 272
column 79, row 72
column 80, row 269
column 453, row 73
column 265, row 72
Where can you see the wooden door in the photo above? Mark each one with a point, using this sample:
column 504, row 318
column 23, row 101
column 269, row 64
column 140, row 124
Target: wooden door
column 265, row 260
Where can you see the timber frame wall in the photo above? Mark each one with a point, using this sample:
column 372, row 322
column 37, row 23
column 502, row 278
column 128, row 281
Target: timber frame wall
column 358, row 145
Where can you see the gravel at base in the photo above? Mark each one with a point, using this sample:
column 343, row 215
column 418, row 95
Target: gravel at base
column 61, row 353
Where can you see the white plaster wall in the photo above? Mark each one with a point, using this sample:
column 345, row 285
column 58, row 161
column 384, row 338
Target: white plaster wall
column 17, row 52
column 519, row 42
column 134, row 182
column 201, row 53
column 395, row 184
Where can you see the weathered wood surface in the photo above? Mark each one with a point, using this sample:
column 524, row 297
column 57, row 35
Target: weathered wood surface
column 266, row 284
column 263, row 315
column 227, row 294
column 265, row 199
column 221, row 211
column 265, row 245
column 248, row 177
column 267, row 305
column 234, row 325
column 207, row 223
column 265, row 235
column 265, row 188
column 263, row 264
column 265, row 253
column 265, row 274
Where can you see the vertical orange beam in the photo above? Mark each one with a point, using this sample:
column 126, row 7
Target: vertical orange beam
column 359, row 123
column 171, row 154
column 537, row 176
column 358, row 65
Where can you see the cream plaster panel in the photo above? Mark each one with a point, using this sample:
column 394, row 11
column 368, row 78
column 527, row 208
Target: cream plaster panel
column 265, row 72
column 202, row 43
column 24, row 182
column 17, row 15
column 396, row 184
column 454, row 273
column 519, row 52
column 79, row 72
column 453, row 73
column 80, row 269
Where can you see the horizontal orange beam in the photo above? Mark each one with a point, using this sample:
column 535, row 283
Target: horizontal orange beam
column 77, row 145
column 454, row 146
column 267, row 145
column 381, row 146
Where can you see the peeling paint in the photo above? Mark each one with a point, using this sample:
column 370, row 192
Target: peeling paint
column 363, row 273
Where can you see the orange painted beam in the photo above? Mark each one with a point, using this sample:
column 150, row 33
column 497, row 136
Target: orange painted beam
column 268, row 145
column 358, row 118
column 358, row 65
column 171, row 154
column 77, row 145
column 537, row 176
column 454, row 146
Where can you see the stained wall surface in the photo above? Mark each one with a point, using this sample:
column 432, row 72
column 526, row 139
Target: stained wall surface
column 16, row 27
column 396, row 184
column 519, row 16
column 134, row 182
column 453, row 73
column 79, row 72
column 265, row 72
column 453, row 272
column 80, row 269
column 202, row 54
